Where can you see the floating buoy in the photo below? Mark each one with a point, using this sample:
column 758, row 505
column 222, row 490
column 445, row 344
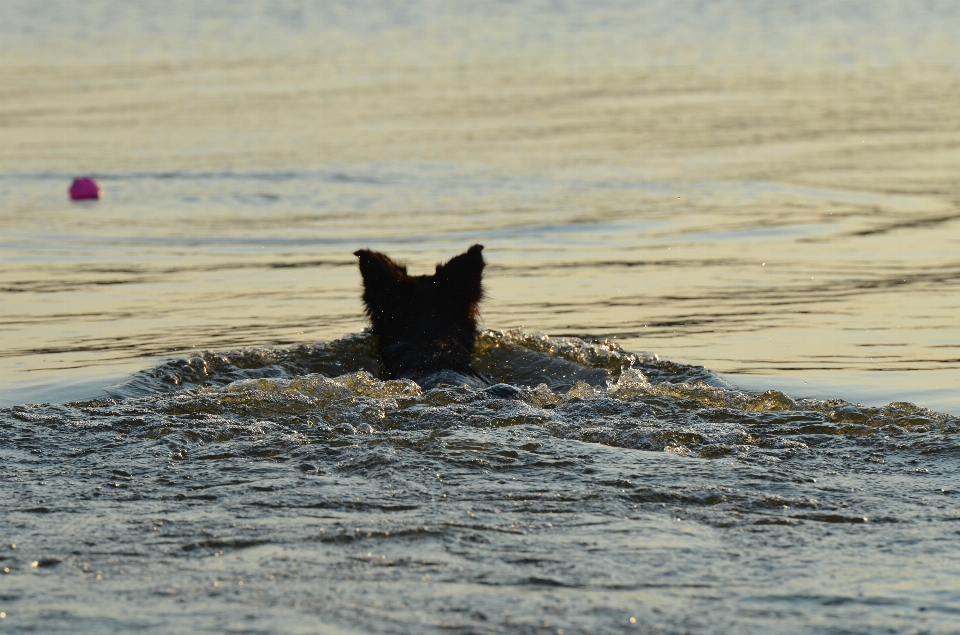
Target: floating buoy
column 84, row 188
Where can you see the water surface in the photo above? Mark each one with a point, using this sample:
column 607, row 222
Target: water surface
column 262, row 491
column 723, row 249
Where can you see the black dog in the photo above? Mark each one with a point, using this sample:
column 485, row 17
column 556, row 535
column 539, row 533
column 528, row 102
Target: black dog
column 426, row 326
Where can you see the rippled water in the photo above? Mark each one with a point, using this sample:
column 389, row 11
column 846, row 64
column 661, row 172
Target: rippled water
column 820, row 293
column 737, row 221
column 294, row 491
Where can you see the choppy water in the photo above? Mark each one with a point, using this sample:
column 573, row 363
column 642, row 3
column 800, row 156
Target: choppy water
column 286, row 490
column 737, row 221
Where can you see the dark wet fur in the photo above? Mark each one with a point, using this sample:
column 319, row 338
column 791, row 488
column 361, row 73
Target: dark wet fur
column 426, row 326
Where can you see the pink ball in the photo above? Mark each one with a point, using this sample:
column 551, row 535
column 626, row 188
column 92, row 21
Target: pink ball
column 84, row 188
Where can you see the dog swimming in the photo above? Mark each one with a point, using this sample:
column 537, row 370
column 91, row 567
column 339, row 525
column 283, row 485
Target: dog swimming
column 426, row 326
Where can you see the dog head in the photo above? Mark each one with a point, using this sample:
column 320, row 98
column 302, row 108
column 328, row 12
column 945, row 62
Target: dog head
column 423, row 323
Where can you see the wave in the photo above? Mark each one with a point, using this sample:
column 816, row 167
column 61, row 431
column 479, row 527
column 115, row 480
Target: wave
column 573, row 389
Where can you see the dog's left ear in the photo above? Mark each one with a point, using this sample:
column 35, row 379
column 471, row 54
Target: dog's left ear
column 462, row 274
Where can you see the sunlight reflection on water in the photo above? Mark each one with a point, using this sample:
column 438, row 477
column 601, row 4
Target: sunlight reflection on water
column 764, row 194
column 745, row 278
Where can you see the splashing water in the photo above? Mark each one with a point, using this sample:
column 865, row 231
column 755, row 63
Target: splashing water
column 292, row 489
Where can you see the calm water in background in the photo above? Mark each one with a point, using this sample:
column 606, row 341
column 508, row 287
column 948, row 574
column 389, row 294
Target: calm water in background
column 767, row 190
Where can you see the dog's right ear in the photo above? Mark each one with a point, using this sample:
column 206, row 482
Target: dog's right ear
column 378, row 270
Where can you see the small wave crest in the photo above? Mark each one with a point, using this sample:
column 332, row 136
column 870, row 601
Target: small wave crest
column 570, row 388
